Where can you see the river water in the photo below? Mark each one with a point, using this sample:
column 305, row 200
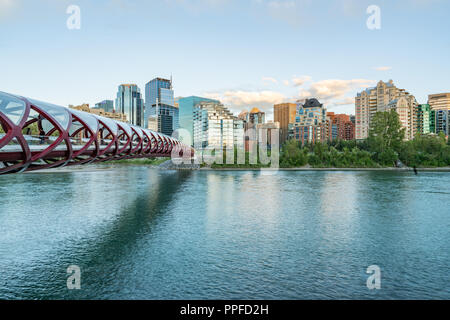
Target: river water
column 142, row 233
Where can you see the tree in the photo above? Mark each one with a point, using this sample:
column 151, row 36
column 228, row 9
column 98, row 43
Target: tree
column 386, row 137
column 293, row 155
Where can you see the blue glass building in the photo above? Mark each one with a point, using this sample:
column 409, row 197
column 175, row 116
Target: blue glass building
column 160, row 105
column 129, row 102
column 443, row 121
column 106, row 105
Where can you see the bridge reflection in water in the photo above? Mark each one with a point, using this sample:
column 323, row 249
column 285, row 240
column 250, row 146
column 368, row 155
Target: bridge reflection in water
column 38, row 135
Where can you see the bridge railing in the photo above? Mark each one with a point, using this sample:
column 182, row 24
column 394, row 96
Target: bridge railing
column 38, row 135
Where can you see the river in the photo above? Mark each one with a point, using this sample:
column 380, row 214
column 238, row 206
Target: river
column 142, row 233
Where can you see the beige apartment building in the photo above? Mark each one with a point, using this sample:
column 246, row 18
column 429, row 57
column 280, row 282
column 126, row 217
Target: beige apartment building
column 372, row 100
column 284, row 114
column 439, row 101
column 100, row 112
column 406, row 107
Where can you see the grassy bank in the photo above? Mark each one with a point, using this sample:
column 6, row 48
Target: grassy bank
column 142, row 162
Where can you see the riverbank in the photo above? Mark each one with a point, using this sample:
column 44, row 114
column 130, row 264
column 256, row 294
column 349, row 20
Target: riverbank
column 445, row 169
column 164, row 164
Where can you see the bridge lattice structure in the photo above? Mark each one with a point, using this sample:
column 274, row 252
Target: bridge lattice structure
column 38, row 135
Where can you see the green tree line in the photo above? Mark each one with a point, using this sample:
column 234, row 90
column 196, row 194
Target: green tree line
column 385, row 147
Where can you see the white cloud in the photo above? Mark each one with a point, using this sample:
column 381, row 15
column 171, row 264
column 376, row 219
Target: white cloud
column 299, row 81
column 383, row 68
column 286, row 83
column 269, row 79
column 236, row 100
column 335, row 92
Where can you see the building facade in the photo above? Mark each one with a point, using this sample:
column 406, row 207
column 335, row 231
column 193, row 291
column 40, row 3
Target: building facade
column 310, row 124
column 426, row 119
column 373, row 100
column 406, row 107
column 284, row 114
column 160, row 106
column 129, row 102
column 255, row 117
column 187, row 107
column 443, row 121
column 106, row 105
column 100, row 112
column 216, row 127
column 439, row 101
column 340, row 126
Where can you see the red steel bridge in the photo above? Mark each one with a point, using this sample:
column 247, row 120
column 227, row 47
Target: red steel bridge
column 38, row 135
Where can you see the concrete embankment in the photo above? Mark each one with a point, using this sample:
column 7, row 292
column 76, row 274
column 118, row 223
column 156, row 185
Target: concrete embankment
column 169, row 165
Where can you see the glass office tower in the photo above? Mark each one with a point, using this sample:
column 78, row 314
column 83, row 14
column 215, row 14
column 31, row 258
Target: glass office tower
column 106, row 105
column 160, row 106
column 129, row 102
column 186, row 108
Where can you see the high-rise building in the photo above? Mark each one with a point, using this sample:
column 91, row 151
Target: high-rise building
column 340, row 126
column 160, row 105
column 373, row 100
column 253, row 118
column 349, row 130
column 443, row 121
column 284, row 114
column 406, row 107
column 186, row 112
column 439, row 101
column 129, row 102
column 426, row 119
column 106, row 105
column 214, row 127
column 310, row 122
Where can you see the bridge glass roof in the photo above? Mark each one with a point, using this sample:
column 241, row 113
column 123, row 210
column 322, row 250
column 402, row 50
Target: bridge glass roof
column 12, row 107
column 59, row 114
column 89, row 119
column 126, row 127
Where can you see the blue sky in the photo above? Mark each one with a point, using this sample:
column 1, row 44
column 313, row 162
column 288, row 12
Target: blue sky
column 246, row 53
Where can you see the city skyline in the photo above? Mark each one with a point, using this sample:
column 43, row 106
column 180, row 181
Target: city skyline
column 280, row 55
